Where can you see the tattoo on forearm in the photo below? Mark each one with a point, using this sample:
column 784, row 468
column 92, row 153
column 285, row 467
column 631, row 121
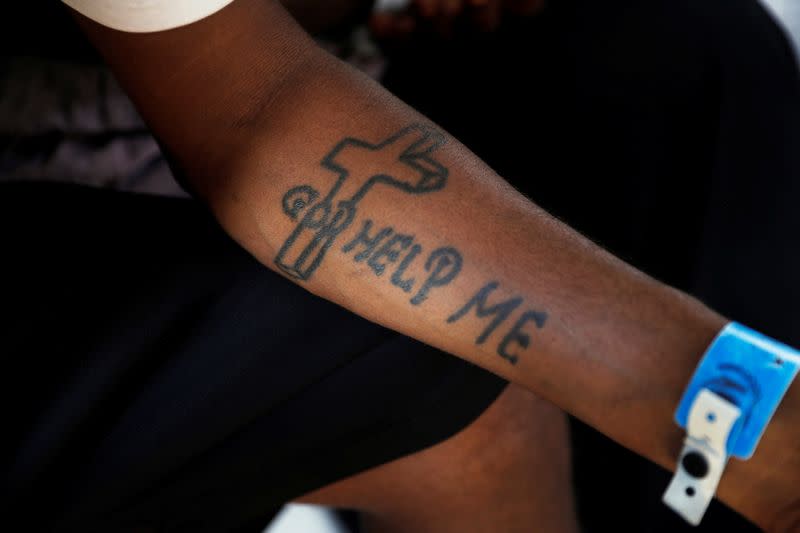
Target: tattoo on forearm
column 499, row 312
column 444, row 264
column 397, row 278
column 369, row 242
column 383, row 248
column 405, row 162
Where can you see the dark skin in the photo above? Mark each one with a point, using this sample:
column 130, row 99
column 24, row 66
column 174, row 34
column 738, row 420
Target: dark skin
column 250, row 108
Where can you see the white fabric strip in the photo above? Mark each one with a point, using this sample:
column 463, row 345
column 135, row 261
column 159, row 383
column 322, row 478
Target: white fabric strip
column 146, row 15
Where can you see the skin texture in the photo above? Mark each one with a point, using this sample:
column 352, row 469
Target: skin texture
column 251, row 110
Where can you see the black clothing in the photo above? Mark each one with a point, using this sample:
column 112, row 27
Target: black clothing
column 156, row 375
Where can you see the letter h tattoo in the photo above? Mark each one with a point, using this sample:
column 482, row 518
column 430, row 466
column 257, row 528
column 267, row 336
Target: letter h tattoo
column 403, row 161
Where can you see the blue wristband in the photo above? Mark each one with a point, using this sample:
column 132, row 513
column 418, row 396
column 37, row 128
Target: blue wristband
column 749, row 370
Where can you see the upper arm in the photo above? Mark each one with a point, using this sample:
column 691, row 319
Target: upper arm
column 194, row 84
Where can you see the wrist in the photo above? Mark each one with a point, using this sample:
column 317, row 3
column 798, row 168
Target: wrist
column 734, row 402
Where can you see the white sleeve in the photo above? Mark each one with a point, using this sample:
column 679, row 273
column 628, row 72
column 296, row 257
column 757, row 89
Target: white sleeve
column 146, row 15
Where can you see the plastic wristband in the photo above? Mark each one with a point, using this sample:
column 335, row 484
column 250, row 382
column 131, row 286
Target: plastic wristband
column 725, row 409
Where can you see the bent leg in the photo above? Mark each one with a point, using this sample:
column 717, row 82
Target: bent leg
column 507, row 471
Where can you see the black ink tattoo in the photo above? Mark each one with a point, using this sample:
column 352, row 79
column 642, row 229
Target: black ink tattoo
column 397, row 277
column 391, row 251
column 369, row 243
column 297, row 199
column 444, row 264
column 406, row 163
column 517, row 335
column 499, row 313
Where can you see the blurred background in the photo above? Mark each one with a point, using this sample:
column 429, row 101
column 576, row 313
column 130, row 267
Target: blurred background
column 788, row 12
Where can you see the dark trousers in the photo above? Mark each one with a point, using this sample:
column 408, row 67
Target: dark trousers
column 156, row 376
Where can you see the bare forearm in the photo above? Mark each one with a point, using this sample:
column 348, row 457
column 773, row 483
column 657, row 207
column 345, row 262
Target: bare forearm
column 472, row 267
column 468, row 266
column 331, row 181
